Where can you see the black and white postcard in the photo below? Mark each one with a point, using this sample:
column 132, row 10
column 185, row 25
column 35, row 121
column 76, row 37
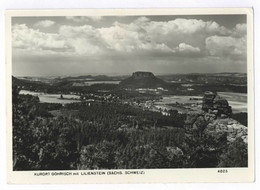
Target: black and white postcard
column 130, row 95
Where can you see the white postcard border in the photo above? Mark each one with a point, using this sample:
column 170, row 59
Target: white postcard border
column 147, row 175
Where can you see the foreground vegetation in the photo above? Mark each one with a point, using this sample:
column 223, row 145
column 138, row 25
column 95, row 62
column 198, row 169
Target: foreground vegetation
column 105, row 135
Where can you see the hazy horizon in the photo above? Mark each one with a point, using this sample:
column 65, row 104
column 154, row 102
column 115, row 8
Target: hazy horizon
column 123, row 74
column 69, row 46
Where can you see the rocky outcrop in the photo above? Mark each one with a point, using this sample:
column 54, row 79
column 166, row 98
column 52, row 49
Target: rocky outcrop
column 214, row 104
column 206, row 123
column 231, row 127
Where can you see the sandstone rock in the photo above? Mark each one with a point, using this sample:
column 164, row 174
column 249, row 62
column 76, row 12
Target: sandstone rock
column 232, row 128
column 213, row 103
column 219, row 102
column 200, row 124
column 209, row 117
column 209, row 124
column 208, row 100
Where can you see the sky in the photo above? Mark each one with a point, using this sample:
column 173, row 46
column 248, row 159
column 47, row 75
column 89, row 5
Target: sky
column 77, row 45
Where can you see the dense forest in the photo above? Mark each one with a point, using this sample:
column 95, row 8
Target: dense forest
column 106, row 135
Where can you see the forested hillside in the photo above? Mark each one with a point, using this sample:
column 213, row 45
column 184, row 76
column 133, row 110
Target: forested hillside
column 103, row 135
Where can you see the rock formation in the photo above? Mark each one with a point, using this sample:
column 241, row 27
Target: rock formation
column 143, row 80
column 140, row 75
column 209, row 122
column 213, row 103
column 231, row 127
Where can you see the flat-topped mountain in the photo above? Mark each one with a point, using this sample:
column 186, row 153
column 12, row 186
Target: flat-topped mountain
column 141, row 74
column 141, row 79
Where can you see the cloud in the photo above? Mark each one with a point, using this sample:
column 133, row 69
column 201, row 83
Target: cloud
column 96, row 18
column 84, row 39
column 174, row 32
column 187, row 48
column 223, row 46
column 33, row 40
column 119, row 38
column 116, row 38
column 241, row 27
column 80, row 45
column 185, row 26
column 45, row 23
column 77, row 18
column 239, row 30
column 84, row 18
column 142, row 37
column 131, row 38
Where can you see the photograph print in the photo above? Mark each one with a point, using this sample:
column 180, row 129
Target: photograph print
column 129, row 92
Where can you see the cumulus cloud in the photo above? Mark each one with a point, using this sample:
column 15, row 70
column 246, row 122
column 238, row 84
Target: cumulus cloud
column 119, row 38
column 29, row 39
column 182, row 37
column 185, row 26
column 84, row 39
column 95, row 18
column 241, row 27
column 233, row 46
column 226, row 46
column 174, row 32
column 132, row 38
column 45, row 23
column 187, row 48
column 240, row 30
column 116, row 38
column 93, row 44
column 84, row 18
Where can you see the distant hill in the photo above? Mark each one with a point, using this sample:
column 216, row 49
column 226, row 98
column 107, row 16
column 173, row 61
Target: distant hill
column 211, row 78
column 29, row 85
column 93, row 78
column 23, row 82
column 142, row 79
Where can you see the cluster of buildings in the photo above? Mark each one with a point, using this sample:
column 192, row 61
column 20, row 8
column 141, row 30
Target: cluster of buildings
column 104, row 97
column 157, row 91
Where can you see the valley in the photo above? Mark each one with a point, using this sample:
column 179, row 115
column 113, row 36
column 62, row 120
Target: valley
column 137, row 121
